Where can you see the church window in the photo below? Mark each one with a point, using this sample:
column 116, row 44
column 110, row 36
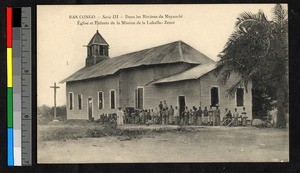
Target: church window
column 100, row 100
column 71, row 101
column 79, row 101
column 112, row 99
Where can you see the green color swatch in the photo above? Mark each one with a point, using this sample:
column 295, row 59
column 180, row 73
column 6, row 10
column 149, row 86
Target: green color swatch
column 9, row 107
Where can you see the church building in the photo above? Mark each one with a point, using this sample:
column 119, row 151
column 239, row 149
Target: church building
column 175, row 72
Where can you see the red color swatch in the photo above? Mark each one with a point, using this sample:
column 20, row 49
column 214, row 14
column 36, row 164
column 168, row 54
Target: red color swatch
column 9, row 12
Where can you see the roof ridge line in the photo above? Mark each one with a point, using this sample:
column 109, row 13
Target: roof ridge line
column 171, row 52
column 147, row 49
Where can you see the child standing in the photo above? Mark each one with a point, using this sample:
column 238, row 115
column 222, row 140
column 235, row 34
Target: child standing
column 137, row 117
column 210, row 115
column 195, row 115
column 163, row 115
column 171, row 115
column 235, row 117
column 205, row 116
column 185, row 115
column 191, row 117
column 132, row 117
column 167, row 115
column 200, row 114
column 244, row 117
column 217, row 114
column 176, row 116
column 155, row 114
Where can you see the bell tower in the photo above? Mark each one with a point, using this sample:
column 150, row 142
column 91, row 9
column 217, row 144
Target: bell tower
column 97, row 50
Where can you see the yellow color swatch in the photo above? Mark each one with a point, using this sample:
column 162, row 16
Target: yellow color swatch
column 9, row 68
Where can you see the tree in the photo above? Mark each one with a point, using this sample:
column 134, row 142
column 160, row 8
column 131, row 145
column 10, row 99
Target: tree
column 47, row 111
column 257, row 51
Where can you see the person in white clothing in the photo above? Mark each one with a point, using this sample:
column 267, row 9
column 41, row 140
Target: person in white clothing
column 120, row 116
column 176, row 116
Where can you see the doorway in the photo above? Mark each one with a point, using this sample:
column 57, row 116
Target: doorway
column 214, row 96
column 140, row 98
column 181, row 103
column 90, row 107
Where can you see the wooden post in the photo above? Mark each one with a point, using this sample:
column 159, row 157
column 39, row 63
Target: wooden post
column 54, row 87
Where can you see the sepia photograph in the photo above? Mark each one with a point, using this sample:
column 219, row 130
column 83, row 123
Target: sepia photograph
column 162, row 83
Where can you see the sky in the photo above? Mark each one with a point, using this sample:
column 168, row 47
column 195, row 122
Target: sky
column 64, row 30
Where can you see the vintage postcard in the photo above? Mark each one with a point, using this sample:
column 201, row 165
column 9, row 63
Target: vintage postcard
column 162, row 83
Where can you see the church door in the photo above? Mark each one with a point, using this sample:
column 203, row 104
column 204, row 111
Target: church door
column 90, row 107
column 181, row 103
column 214, row 96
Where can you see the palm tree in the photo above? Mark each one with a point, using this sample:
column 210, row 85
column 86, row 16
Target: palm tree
column 257, row 51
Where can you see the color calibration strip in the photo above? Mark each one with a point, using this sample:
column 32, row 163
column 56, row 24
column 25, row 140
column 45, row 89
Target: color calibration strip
column 19, row 86
column 10, row 136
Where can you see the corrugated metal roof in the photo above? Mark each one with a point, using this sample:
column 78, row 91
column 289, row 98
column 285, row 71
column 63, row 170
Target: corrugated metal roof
column 193, row 73
column 97, row 39
column 169, row 53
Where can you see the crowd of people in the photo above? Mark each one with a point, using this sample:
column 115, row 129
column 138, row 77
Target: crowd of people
column 167, row 115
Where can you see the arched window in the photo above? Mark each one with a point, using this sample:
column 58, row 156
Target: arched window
column 100, row 100
column 112, row 98
column 79, row 101
column 71, row 100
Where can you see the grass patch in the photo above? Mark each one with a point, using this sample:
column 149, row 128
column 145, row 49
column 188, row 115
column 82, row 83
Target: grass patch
column 66, row 131
column 62, row 134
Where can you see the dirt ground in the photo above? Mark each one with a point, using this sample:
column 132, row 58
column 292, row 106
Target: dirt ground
column 203, row 144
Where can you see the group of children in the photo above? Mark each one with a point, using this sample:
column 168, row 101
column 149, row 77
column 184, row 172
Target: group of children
column 198, row 116
column 168, row 115
column 235, row 118
column 107, row 118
